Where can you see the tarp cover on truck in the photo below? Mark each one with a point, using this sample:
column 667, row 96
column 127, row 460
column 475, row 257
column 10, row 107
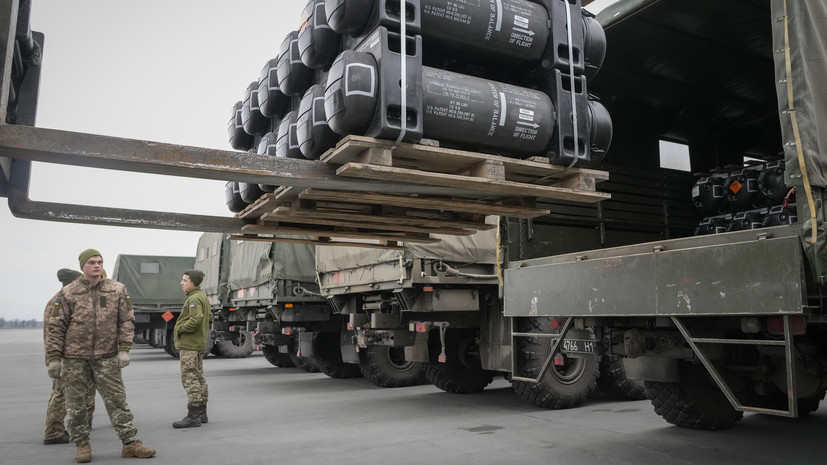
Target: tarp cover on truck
column 254, row 263
column 457, row 250
column 208, row 258
column 153, row 281
column 729, row 79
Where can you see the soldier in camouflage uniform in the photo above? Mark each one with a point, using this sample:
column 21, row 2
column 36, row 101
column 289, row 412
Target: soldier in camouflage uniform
column 191, row 332
column 56, row 410
column 88, row 338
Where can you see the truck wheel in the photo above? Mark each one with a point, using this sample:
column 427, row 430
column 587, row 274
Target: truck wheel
column 562, row 386
column 386, row 366
column 240, row 347
column 615, row 384
column 276, row 358
column 462, row 371
column 695, row 402
column 169, row 344
column 208, row 347
column 326, row 348
column 310, row 364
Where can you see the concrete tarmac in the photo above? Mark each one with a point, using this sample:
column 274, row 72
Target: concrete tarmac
column 263, row 414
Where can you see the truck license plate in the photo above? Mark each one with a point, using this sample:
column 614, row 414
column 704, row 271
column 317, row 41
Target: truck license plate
column 579, row 346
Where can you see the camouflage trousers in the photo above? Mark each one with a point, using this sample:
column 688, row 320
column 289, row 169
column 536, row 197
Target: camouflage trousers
column 192, row 376
column 56, row 410
column 76, row 379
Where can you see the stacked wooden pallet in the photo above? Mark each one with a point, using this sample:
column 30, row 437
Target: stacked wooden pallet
column 485, row 185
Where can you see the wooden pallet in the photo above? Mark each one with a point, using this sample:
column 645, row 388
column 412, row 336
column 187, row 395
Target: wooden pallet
column 486, row 185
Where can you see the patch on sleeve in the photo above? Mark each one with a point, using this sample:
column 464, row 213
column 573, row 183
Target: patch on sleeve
column 56, row 310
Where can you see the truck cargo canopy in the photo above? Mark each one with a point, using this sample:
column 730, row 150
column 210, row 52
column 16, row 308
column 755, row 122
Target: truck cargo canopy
column 480, row 247
column 153, row 280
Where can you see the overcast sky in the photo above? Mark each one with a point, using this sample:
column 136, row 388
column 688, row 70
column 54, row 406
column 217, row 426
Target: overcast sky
column 157, row 70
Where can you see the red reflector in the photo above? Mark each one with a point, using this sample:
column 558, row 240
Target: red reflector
column 232, row 309
column 798, row 326
column 421, row 328
column 286, row 331
column 556, row 323
column 428, row 289
column 288, row 305
column 559, row 361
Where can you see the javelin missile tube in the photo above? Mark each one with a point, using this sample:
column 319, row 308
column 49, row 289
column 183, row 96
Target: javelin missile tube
column 318, row 43
column 501, row 33
column 464, row 111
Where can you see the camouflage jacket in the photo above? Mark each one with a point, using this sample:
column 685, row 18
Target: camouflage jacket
column 90, row 322
column 47, row 314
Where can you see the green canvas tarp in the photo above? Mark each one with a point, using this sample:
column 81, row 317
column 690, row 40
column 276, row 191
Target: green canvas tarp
column 153, row 281
column 254, row 263
column 457, row 250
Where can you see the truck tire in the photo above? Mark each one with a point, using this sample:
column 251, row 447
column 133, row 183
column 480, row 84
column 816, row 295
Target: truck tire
column 695, row 402
column 462, row 371
column 386, row 366
column 614, row 383
column 240, row 347
column 210, row 344
column 563, row 386
column 276, row 358
column 169, row 344
column 311, row 364
column 326, row 349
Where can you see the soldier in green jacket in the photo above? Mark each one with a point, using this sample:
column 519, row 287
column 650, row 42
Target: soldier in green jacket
column 191, row 331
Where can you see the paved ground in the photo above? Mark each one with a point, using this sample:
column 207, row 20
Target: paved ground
column 262, row 414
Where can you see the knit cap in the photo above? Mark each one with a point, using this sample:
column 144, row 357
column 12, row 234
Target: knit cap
column 196, row 276
column 66, row 276
column 86, row 255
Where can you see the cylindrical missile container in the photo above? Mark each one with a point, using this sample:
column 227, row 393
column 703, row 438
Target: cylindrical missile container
column 318, row 43
column 708, row 194
column 249, row 192
column 498, row 35
column 771, row 182
column 462, row 111
column 267, row 146
column 313, row 133
column 480, row 114
column 239, row 139
column 271, row 100
column 233, row 195
column 287, row 143
column 252, row 120
column 780, row 215
column 357, row 17
column 294, row 76
column 741, row 189
column 746, row 220
column 712, row 225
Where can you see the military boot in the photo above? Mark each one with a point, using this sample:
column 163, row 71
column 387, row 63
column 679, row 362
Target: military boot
column 193, row 418
column 136, row 449
column 84, row 453
column 62, row 439
column 204, row 418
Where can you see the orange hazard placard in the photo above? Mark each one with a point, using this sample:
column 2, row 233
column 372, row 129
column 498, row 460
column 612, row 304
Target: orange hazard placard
column 735, row 186
column 167, row 316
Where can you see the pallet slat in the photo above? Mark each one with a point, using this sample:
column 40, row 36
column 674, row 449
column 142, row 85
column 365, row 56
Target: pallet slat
column 480, row 185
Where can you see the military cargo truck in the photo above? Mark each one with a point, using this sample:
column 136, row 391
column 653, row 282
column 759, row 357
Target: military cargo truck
column 262, row 294
column 716, row 324
column 154, row 285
